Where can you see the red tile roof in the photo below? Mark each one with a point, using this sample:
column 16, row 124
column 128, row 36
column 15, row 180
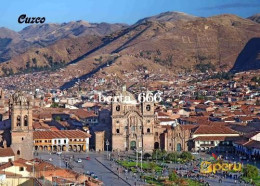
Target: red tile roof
column 5, row 152
column 60, row 134
column 212, row 129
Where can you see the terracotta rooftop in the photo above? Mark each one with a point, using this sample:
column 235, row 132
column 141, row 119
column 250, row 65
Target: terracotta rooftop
column 253, row 144
column 4, row 152
column 212, row 129
column 60, row 134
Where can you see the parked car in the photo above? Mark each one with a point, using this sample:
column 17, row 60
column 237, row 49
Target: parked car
column 88, row 158
column 92, row 174
column 79, row 160
column 59, row 153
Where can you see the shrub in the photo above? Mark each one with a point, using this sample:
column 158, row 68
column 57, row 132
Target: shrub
column 186, row 156
column 173, row 176
column 250, row 171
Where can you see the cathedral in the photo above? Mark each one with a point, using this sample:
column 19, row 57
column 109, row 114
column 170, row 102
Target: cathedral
column 132, row 124
column 135, row 126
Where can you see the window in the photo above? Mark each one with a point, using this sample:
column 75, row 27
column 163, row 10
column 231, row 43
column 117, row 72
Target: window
column 133, row 128
column 65, row 141
column 18, row 122
column 118, row 108
column 148, row 107
column 117, row 121
column 117, row 131
column 148, row 130
column 21, row 169
column 22, row 139
column 25, row 120
column 55, row 141
column 58, row 141
column 126, row 127
column 18, row 152
column 170, row 144
column 156, row 134
column 148, row 121
column 45, row 141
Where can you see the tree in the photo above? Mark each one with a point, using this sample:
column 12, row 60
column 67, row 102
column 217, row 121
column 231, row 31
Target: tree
column 250, row 171
column 158, row 154
column 172, row 156
column 57, row 118
column 173, row 176
column 186, row 156
column 54, row 105
column 152, row 166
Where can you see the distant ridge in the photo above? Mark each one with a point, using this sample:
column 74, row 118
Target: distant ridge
column 168, row 16
column 255, row 18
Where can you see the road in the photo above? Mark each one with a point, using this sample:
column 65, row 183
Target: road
column 92, row 165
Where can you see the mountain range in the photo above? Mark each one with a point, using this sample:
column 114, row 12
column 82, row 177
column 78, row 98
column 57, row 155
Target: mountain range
column 172, row 40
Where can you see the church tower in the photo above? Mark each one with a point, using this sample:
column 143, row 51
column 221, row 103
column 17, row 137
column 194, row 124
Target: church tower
column 21, row 126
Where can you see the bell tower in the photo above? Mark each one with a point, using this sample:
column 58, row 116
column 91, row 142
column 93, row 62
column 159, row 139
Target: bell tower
column 21, row 126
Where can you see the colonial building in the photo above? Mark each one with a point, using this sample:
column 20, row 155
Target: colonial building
column 178, row 138
column 132, row 123
column 62, row 140
column 207, row 137
column 21, row 126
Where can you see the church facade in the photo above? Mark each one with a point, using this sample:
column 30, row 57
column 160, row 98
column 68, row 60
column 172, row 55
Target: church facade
column 132, row 124
column 135, row 127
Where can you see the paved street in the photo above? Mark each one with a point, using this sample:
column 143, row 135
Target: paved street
column 92, row 165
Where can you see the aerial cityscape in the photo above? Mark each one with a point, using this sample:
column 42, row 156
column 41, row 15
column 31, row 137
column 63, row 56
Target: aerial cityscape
column 130, row 93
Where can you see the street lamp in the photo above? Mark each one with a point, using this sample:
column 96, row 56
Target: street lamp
column 107, row 143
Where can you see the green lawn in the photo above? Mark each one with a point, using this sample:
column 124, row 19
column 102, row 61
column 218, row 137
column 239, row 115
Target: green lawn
column 194, row 183
column 145, row 165
column 255, row 180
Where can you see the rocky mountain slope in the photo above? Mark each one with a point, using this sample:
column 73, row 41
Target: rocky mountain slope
column 173, row 41
column 14, row 43
column 249, row 58
column 168, row 16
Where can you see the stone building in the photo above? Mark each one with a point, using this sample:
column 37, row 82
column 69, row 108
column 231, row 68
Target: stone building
column 178, row 138
column 132, row 123
column 99, row 141
column 21, row 126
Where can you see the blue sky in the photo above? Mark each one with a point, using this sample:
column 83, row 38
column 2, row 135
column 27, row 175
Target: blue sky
column 116, row 11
